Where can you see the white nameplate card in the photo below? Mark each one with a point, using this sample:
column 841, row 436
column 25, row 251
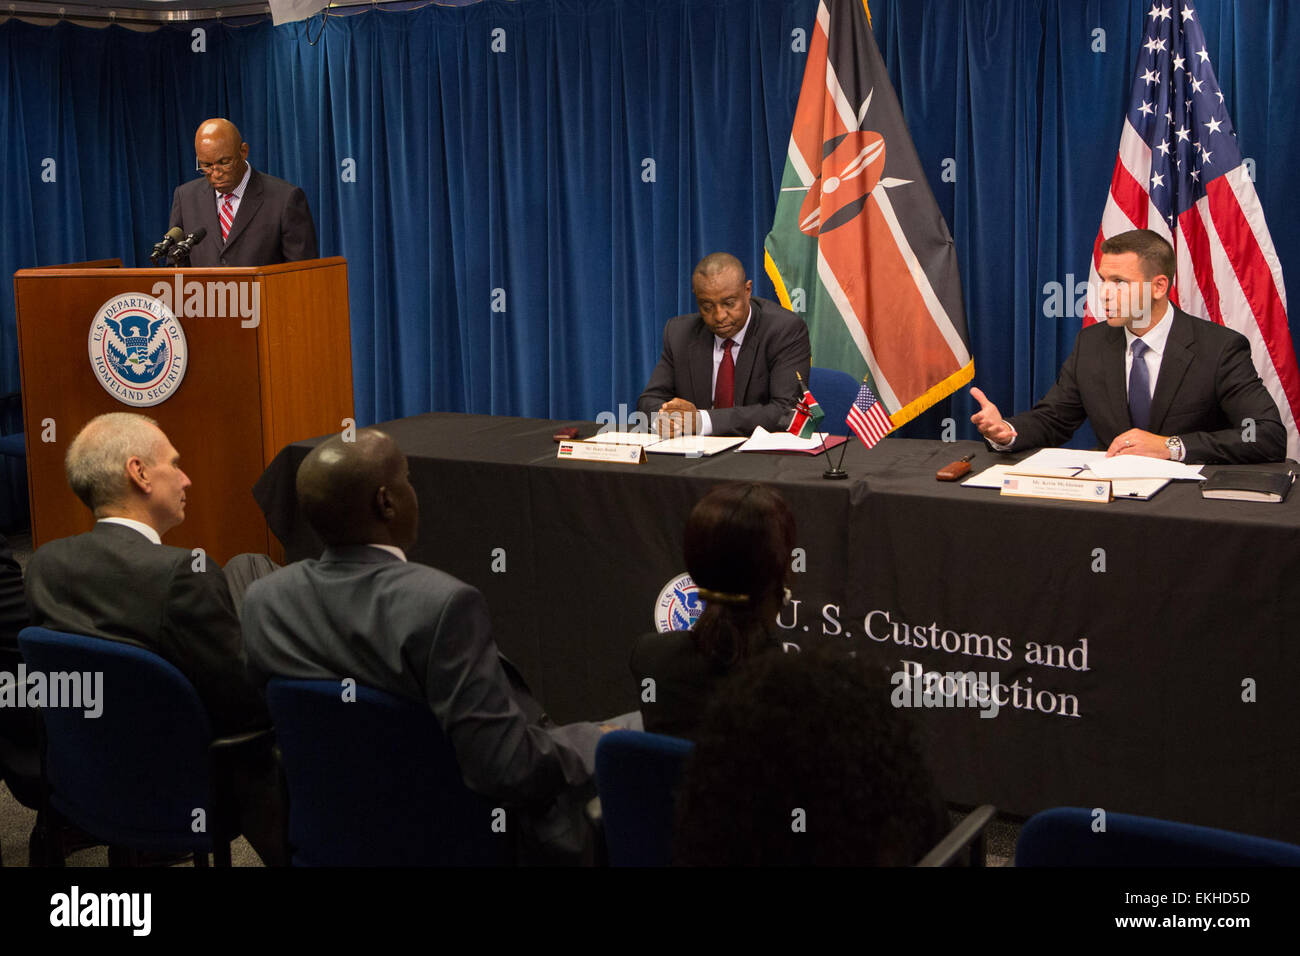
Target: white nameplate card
column 1063, row 486
column 601, row 451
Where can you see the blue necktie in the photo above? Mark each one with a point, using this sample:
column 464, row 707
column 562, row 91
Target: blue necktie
column 1139, row 388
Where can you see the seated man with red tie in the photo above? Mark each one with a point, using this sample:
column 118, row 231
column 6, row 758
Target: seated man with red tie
column 730, row 367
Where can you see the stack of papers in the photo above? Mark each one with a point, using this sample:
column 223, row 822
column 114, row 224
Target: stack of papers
column 1131, row 476
column 764, row 440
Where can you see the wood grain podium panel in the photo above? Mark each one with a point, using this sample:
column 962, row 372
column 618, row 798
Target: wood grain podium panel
column 236, row 406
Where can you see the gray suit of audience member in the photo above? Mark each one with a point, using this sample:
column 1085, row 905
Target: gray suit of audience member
column 362, row 611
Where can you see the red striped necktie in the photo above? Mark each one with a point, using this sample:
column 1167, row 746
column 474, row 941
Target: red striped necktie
column 227, row 214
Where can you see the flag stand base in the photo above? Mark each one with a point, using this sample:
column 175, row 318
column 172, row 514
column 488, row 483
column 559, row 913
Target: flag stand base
column 834, row 474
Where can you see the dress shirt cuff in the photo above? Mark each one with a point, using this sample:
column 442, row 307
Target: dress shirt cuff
column 706, row 423
column 1007, row 446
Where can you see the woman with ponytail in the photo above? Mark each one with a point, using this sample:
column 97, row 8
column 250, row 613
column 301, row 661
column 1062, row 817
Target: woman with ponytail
column 737, row 548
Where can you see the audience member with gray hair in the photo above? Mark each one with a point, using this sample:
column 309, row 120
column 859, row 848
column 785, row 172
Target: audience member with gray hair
column 119, row 582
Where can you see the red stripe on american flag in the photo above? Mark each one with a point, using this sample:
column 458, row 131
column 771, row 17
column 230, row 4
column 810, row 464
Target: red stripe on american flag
column 1129, row 195
column 870, row 426
column 1197, row 243
column 1256, row 281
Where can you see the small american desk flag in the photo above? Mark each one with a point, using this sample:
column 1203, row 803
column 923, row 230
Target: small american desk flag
column 868, row 418
column 1179, row 172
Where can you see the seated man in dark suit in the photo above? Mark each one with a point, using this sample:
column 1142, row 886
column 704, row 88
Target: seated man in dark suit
column 1151, row 379
column 121, row 583
column 730, row 367
column 252, row 219
column 364, row 611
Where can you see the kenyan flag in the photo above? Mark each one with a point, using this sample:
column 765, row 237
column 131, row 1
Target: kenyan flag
column 808, row 417
column 858, row 244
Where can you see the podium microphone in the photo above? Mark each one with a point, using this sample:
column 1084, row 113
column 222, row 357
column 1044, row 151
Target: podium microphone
column 180, row 252
column 164, row 245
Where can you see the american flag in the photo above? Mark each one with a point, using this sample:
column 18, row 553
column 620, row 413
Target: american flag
column 1180, row 173
column 868, row 418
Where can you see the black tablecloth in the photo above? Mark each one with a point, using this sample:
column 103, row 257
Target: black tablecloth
column 1145, row 647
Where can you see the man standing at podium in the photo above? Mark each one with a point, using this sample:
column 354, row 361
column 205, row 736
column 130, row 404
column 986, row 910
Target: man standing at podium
column 252, row 219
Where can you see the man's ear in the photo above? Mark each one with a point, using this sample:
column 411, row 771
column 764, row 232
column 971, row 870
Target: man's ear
column 1160, row 287
column 384, row 509
column 137, row 472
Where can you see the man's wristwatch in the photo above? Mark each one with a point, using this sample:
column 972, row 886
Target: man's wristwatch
column 1176, row 449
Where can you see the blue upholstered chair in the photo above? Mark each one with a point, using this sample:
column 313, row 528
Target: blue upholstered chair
column 636, row 774
column 373, row 781
column 834, row 392
column 1064, row 836
column 141, row 775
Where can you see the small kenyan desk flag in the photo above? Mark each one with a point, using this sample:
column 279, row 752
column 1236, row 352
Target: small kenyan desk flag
column 808, row 416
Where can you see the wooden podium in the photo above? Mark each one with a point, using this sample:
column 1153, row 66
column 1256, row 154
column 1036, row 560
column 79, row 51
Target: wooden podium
column 252, row 384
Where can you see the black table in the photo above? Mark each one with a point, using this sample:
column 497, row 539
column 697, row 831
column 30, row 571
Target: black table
column 1171, row 686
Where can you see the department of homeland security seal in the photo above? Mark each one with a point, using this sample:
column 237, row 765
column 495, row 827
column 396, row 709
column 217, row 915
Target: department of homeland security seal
column 678, row 605
column 137, row 349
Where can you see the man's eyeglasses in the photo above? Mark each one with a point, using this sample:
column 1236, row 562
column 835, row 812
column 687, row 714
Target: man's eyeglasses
column 221, row 165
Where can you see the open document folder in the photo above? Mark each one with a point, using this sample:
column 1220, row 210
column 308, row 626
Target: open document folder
column 695, row 446
column 1131, row 476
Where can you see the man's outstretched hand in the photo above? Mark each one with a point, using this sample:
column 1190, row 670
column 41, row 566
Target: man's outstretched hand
column 989, row 420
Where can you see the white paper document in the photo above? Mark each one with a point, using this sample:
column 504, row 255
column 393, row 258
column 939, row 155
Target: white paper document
column 1120, row 466
column 694, row 445
column 625, row 438
column 764, row 440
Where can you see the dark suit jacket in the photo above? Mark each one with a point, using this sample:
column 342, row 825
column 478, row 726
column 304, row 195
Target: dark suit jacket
column 273, row 223
column 114, row 583
column 419, row 633
column 775, row 347
column 685, row 681
column 1207, row 387
column 20, row 727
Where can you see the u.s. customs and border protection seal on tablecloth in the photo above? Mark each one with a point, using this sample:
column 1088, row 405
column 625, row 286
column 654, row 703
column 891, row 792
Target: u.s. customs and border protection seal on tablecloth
column 678, row 605
column 137, row 349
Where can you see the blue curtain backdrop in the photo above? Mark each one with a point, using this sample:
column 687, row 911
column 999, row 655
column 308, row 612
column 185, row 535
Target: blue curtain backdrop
column 520, row 221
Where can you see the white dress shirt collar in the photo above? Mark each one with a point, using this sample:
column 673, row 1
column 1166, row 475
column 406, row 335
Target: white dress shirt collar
column 391, row 549
column 1155, row 339
column 140, row 526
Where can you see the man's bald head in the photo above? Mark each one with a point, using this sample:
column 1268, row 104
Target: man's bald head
column 220, row 131
column 222, row 154
column 359, row 492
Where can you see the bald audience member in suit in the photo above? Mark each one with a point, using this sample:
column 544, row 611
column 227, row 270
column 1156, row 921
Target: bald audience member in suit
column 365, row 611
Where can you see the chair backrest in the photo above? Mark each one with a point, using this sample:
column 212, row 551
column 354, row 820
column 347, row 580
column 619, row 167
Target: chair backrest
column 636, row 775
column 374, row 781
column 137, row 773
column 834, row 392
column 1065, row 836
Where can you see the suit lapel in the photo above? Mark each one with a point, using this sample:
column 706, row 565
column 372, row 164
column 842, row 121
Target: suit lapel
column 208, row 216
column 701, row 367
column 745, row 363
column 1173, row 366
column 248, row 207
column 1116, row 386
